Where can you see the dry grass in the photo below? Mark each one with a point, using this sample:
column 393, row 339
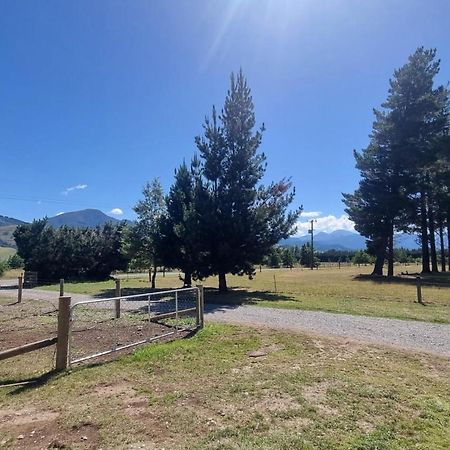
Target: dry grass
column 208, row 392
column 6, row 252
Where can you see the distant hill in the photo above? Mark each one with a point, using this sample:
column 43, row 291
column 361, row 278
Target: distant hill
column 345, row 240
column 80, row 219
column 5, row 221
column 7, row 227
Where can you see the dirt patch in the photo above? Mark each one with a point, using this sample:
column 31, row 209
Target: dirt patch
column 365, row 426
column 316, row 395
column 114, row 390
column 26, row 416
column 276, row 402
column 31, row 428
column 30, row 321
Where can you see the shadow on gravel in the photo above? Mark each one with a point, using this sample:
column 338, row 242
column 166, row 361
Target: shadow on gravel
column 436, row 279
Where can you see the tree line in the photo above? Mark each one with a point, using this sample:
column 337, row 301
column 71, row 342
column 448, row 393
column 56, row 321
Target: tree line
column 291, row 256
column 405, row 169
column 71, row 253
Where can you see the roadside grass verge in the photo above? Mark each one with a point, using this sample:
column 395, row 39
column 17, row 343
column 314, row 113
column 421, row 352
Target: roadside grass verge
column 213, row 391
column 328, row 289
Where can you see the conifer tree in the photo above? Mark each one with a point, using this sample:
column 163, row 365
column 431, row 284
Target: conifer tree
column 397, row 167
column 243, row 219
column 181, row 240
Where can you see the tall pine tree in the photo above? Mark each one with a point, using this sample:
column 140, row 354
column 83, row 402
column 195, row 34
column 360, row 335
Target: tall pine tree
column 243, row 219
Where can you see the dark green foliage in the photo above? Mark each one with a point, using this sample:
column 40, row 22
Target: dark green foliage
column 361, row 257
column 182, row 243
column 288, row 257
column 273, row 259
column 3, row 267
column 400, row 168
column 242, row 220
column 70, row 253
column 15, row 262
column 305, row 256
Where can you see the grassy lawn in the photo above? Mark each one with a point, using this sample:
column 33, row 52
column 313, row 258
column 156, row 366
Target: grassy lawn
column 327, row 289
column 208, row 392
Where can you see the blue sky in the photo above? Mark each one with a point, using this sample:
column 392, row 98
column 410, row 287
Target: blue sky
column 99, row 97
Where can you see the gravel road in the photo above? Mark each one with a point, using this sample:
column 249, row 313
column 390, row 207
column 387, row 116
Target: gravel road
column 408, row 334
column 35, row 294
column 412, row 335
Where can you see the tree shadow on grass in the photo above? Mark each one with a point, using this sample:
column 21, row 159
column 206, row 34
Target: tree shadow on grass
column 433, row 279
column 240, row 296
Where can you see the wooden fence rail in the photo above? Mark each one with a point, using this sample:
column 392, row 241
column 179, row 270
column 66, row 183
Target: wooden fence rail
column 31, row 347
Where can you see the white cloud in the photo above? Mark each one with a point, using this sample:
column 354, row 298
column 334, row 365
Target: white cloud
column 58, row 214
column 74, row 188
column 116, row 212
column 311, row 214
column 327, row 224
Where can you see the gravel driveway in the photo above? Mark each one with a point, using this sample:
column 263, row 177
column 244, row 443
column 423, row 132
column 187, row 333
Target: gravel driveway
column 408, row 334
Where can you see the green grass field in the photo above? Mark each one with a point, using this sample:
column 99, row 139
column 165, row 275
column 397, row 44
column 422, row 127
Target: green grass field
column 326, row 289
column 207, row 392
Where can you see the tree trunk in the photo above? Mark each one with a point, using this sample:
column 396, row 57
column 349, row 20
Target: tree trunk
column 442, row 242
column 380, row 256
column 424, row 233
column 431, row 226
column 448, row 238
column 154, row 277
column 222, row 283
column 187, row 280
column 391, row 251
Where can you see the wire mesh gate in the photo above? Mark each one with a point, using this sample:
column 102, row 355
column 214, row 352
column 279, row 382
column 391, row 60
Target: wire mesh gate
column 103, row 326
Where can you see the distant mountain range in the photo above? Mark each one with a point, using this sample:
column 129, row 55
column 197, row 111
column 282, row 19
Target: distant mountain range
column 345, row 240
column 78, row 219
column 81, row 219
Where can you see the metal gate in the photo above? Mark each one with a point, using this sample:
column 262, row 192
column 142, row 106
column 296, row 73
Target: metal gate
column 103, row 326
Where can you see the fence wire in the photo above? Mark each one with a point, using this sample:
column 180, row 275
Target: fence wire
column 26, row 322
column 103, row 326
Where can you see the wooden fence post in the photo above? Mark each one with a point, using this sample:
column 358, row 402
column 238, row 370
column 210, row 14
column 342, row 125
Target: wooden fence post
column 19, row 292
column 200, row 306
column 61, row 287
column 419, row 290
column 118, row 293
column 62, row 346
